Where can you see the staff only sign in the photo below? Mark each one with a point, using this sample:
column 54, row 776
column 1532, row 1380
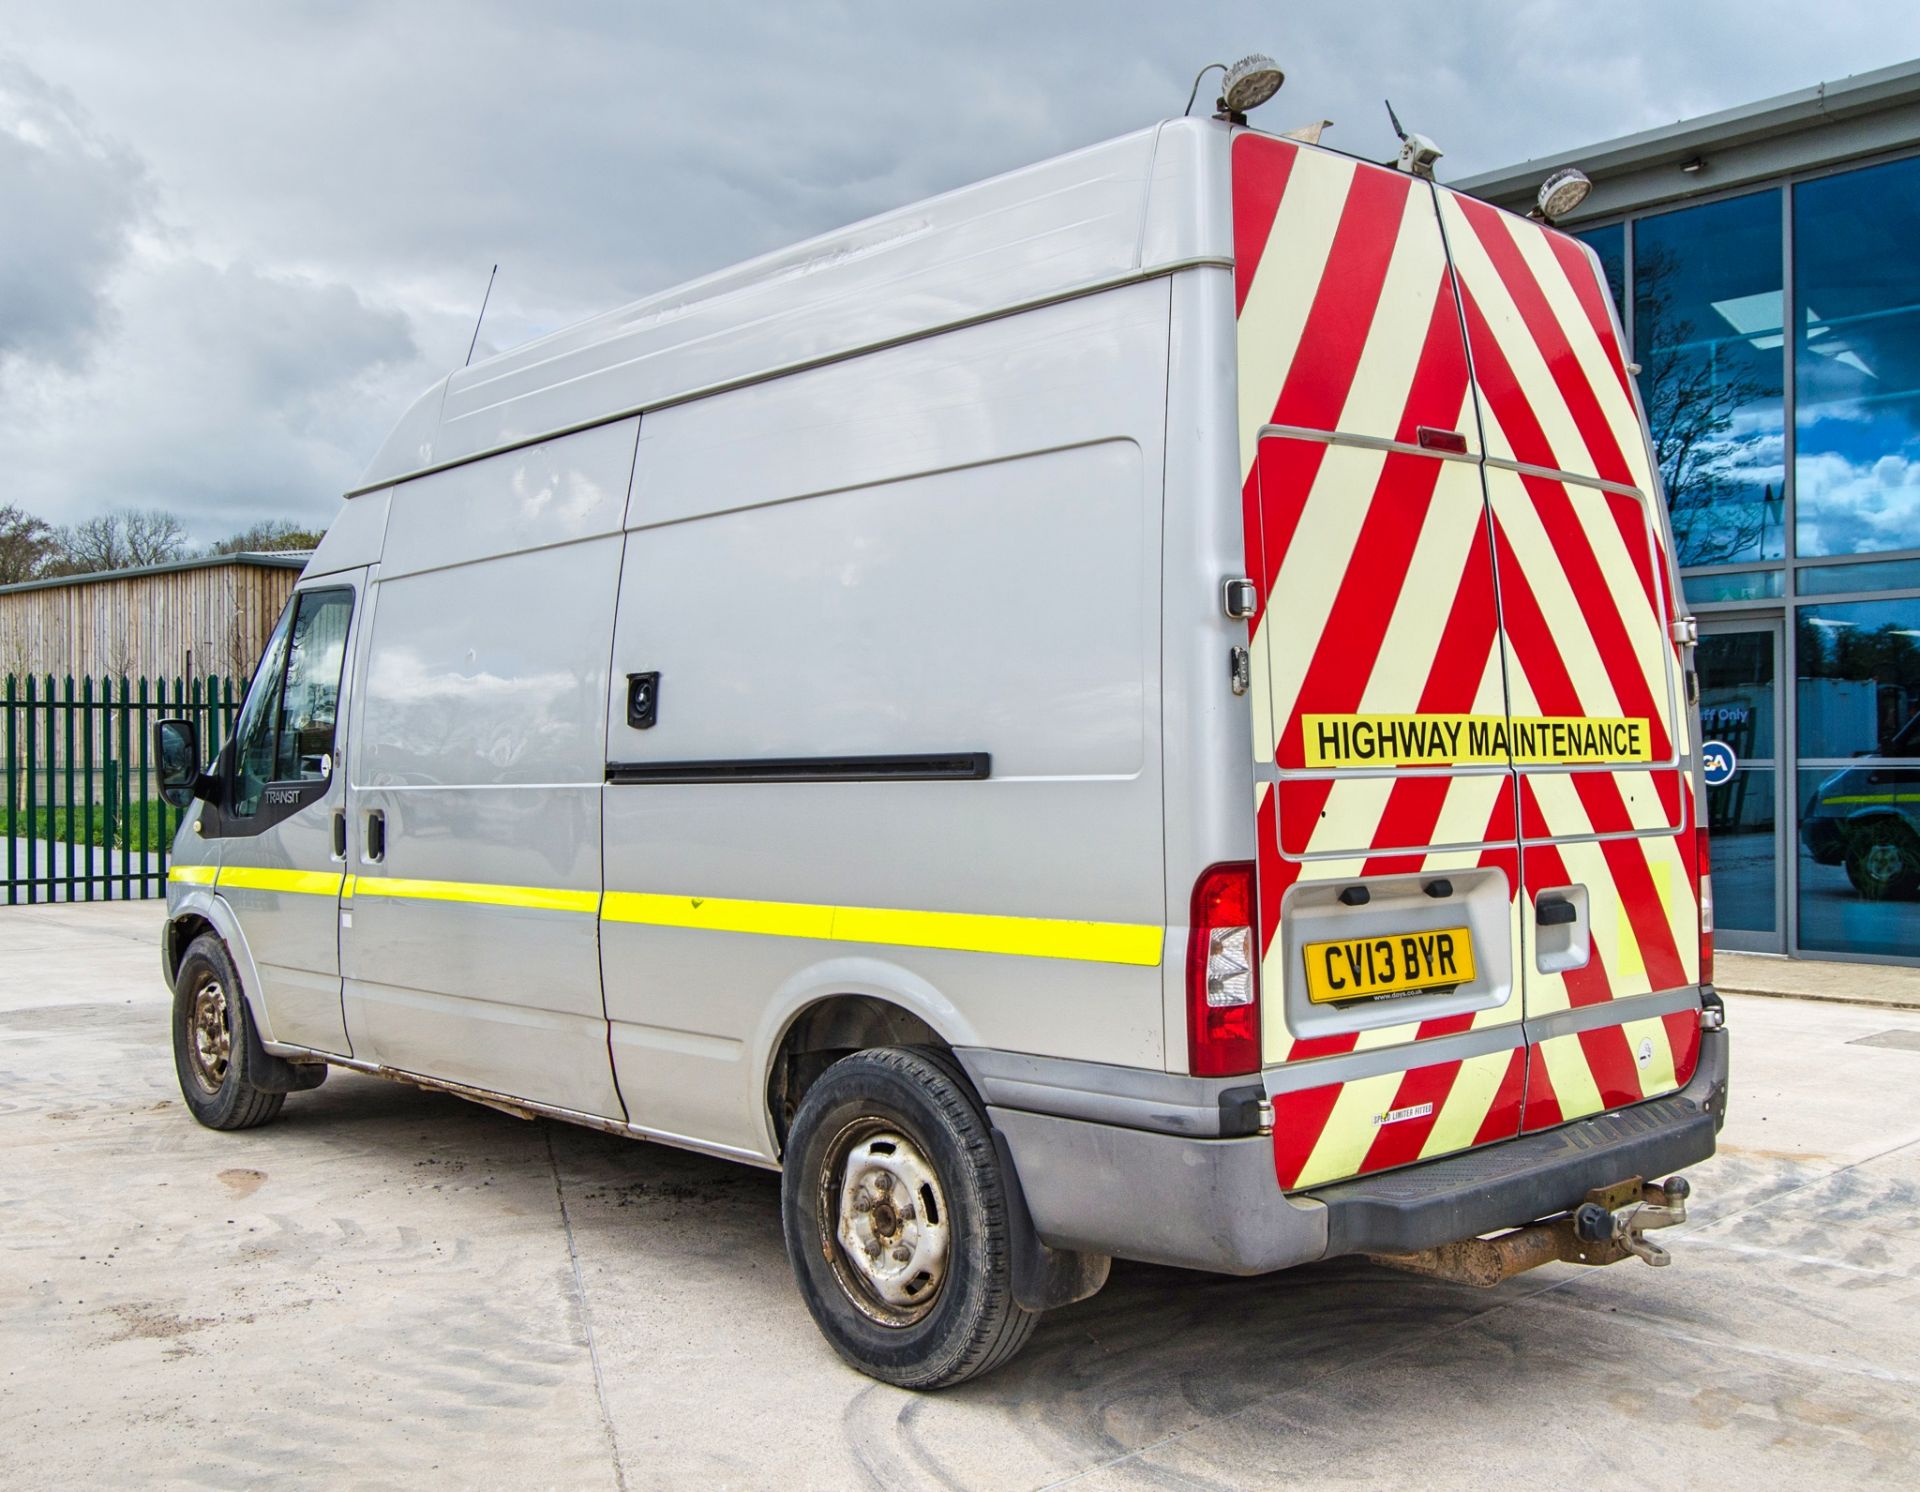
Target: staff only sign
column 1440, row 740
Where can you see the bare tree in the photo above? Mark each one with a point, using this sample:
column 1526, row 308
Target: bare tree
column 1692, row 398
column 125, row 539
column 27, row 545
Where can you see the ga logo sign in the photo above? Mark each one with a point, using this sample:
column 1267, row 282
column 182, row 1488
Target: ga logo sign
column 1716, row 763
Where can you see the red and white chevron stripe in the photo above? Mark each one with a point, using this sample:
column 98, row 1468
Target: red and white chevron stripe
column 1386, row 573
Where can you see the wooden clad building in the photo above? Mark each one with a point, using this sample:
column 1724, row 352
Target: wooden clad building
column 192, row 617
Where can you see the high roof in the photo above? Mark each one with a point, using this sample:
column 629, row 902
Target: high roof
column 1140, row 205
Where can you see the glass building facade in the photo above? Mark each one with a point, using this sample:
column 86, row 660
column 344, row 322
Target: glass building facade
column 1776, row 329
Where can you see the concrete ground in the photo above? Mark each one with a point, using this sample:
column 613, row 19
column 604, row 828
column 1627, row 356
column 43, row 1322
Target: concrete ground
column 1893, row 985
column 394, row 1288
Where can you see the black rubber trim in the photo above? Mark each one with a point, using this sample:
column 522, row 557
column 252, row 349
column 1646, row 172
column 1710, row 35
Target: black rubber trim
column 1240, row 1110
column 951, row 766
column 1535, row 1176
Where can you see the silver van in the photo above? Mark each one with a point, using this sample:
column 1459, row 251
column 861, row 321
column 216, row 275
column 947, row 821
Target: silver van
column 1139, row 708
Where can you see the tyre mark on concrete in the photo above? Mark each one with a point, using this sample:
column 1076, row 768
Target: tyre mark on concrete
column 586, row 1317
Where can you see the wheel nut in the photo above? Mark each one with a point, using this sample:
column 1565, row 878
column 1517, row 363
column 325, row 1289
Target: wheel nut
column 873, row 1248
column 902, row 1253
column 862, row 1203
column 883, row 1183
column 906, row 1212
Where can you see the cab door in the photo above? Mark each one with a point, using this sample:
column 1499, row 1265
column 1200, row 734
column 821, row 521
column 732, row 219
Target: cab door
column 1388, row 869
column 280, row 819
column 1593, row 673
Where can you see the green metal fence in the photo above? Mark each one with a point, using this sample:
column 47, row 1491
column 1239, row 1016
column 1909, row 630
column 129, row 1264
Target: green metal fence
column 84, row 820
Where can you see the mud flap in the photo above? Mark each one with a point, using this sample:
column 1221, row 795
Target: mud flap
column 1043, row 1277
column 271, row 1074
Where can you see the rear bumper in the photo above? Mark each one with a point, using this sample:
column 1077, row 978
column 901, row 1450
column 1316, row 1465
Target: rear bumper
column 1216, row 1204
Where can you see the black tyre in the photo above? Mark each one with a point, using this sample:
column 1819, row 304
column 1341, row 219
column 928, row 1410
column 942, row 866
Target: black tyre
column 211, row 1045
column 895, row 1214
column 1883, row 860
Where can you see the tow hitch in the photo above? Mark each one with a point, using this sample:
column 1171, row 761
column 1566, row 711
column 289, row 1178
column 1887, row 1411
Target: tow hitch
column 1609, row 1226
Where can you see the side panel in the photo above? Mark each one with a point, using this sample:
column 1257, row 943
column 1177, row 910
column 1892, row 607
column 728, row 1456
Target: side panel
column 473, row 950
column 947, row 547
column 1606, row 811
column 1372, row 557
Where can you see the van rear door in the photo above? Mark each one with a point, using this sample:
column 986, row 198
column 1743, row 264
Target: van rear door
column 1388, row 828
column 1593, row 673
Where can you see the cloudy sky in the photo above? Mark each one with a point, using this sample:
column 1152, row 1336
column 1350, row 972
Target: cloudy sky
column 236, row 239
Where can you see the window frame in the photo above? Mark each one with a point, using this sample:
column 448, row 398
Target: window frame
column 299, row 791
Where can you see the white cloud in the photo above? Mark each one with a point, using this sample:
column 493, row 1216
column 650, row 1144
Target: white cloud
column 1847, row 507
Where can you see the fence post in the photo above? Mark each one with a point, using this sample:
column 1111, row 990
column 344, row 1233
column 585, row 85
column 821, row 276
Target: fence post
column 32, row 856
column 53, row 787
column 126, row 799
column 72, row 816
column 85, row 827
column 13, row 802
column 146, row 800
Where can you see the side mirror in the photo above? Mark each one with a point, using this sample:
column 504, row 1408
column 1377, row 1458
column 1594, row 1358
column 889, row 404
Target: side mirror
column 176, row 747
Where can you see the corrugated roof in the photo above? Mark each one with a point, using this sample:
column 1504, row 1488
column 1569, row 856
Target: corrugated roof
column 278, row 559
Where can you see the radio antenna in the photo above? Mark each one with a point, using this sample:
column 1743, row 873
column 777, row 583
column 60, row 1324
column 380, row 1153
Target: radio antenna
column 475, row 340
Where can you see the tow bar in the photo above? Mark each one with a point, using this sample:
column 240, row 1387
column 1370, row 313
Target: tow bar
column 1609, row 1226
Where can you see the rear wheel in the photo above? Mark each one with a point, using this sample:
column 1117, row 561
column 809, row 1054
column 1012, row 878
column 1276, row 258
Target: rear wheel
column 896, row 1221
column 211, row 1046
column 1883, row 860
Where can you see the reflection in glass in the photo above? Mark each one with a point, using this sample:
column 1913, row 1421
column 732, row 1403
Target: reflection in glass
column 1736, row 692
column 1856, row 283
column 1859, row 688
column 1831, row 580
column 1859, row 861
column 1610, row 243
column 1709, row 341
column 1740, row 819
column 1737, row 585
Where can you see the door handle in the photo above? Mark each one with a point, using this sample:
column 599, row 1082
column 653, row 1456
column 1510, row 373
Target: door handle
column 376, row 835
column 1555, row 913
column 339, row 834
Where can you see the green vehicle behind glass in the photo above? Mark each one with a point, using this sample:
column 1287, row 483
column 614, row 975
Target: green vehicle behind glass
column 1868, row 818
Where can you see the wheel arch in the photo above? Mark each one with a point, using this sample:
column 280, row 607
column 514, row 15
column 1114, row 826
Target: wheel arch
column 842, row 1006
column 202, row 912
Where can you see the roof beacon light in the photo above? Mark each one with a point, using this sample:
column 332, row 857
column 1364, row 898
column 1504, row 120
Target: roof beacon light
column 1249, row 83
column 1562, row 191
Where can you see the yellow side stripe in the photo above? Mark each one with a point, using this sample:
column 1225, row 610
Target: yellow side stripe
column 191, row 875
column 476, row 893
column 965, row 932
column 1873, row 798
column 302, row 882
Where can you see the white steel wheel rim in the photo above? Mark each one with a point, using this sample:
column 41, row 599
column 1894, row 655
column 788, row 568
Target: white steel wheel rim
column 889, row 1229
column 209, row 1036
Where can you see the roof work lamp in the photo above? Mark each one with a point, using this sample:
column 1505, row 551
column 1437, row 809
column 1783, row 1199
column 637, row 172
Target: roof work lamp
column 1562, row 191
column 1247, row 84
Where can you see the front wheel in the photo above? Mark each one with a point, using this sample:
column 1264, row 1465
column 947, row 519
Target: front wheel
column 896, row 1221
column 211, row 1049
column 1883, row 860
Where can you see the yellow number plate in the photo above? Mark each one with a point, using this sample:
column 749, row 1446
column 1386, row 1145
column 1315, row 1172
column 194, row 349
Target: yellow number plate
column 1369, row 968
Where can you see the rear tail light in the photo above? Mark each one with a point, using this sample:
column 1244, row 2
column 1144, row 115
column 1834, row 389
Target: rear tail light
column 1706, row 907
column 1223, row 975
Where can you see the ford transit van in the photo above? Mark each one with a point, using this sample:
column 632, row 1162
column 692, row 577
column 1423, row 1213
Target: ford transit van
column 1136, row 709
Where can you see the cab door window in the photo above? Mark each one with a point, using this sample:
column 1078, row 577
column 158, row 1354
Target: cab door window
column 286, row 727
